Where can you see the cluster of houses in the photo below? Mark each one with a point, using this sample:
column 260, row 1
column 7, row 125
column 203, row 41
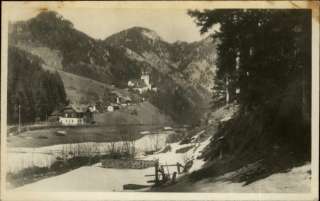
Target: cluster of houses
column 141, row 85
column 75, row 114
column 120, row 101
column 72, row 114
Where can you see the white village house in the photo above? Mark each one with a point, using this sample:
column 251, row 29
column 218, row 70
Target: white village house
column 72, row 115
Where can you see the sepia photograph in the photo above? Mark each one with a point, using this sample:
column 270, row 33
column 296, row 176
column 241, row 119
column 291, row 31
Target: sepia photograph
column 174, row 97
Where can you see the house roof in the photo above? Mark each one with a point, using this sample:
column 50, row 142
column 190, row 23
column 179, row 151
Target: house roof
column 55, row 113
column 76, row 108
column 125, row 97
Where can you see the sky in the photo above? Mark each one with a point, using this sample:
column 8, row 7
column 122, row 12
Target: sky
column 99, row 23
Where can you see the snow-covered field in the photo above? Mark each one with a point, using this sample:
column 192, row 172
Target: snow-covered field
column 90, row 178
column 171, row 157
column 98, row 178
column 297, row 180
column 19, row 157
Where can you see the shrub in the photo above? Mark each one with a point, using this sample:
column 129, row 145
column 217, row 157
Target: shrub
column 186, row 140
column 166, row 149
column 184, row 149
column 175, row 137
column 134, row 112
column 42, row 137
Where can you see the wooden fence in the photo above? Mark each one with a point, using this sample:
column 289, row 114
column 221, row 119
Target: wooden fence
column 127, row 163
column 162, row 176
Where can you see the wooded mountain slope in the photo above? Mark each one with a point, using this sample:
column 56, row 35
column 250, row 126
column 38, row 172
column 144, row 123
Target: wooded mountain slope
column 183, row 72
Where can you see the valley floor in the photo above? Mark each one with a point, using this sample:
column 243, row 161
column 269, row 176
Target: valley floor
column 95, row 178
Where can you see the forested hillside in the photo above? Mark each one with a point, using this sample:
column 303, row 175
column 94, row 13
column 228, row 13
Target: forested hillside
column 264, row 64
column 81, row 54
column 38, row 92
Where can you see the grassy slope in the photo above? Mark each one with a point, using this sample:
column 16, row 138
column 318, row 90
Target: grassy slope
column 78, row 88
column 81, row 89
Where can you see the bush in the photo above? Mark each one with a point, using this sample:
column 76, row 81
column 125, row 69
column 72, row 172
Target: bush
column 184, row 149
column 27, row 172
column 57, row 166
column 175, row 137
column 166, row 149
column 134, row 112
column 186, row 140
column 42, row 137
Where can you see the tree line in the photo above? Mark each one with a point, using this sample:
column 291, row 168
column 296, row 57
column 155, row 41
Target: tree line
column 36, row 91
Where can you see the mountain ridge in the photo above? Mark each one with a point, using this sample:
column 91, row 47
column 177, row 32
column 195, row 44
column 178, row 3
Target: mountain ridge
column 177, row 70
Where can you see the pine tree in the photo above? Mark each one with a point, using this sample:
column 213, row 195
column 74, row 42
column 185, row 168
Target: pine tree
column 259, row 50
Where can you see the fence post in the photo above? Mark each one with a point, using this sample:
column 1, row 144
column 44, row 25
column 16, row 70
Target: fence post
column 178, row 167
column 156, row 167
column 174, row 177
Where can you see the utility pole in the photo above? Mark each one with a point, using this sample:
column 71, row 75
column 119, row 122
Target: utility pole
column 19, row 127
column 227, row 90
column 46, row 117
column 156, row 168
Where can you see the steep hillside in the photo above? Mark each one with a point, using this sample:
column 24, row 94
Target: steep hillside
column 81, row 89
column 196, row 61
column 37, row 92
column 80, row 54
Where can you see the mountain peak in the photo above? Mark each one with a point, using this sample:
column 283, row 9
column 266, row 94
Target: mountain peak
column 142, row 31
column 146, row 32
column 151, row 35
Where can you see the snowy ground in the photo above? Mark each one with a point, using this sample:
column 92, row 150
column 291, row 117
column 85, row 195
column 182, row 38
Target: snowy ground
column 103, row 179
column 297, row 180
column 172, row 157
column 19, row 157
column 98, row 178
column 90, row 178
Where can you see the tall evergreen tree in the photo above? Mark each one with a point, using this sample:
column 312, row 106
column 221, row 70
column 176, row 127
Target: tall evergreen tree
column 272, row 47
